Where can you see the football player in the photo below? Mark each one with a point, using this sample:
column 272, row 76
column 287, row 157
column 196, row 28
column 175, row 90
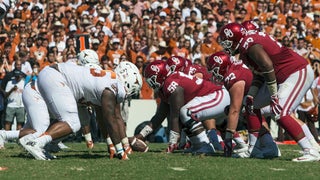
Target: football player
column 87, row 58
column 176, row 64
column 281, row 78
column 236, row 77
column 188, row 98
column 63, row 85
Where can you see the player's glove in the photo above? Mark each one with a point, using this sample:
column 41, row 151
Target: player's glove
column 228, row 147
column 249, row 104
column 275, row 107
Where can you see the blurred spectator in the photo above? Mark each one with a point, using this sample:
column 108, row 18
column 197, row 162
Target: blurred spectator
column 23, row 57
column 58, row 40
column 135, row 51
column 162, row 52
column 315, row 39
column 116, row 12
column 209, row 45
column 190, row 5
column 48, row 60
column 300, row 48
column 312, row 54
column 197, row 54
column 38, row 51
column 13, row 93
column 286, row 42
column 180, row 49
column 115, row 52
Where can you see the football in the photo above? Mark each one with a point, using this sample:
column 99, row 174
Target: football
column 138, row 145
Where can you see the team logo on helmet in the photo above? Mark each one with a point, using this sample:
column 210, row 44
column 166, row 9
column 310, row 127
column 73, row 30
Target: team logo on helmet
column 155, row 68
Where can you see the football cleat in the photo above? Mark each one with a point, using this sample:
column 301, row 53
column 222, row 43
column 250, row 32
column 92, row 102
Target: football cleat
column 127, row 148
column 23, row 141
column 314, row 144
column 112, row 151
column 206, row 149
column 309, row 155
column 35, row 150
column 89, row 144
column 62, row 146
column 123, row 156
column 171, row 148
column 2, row 139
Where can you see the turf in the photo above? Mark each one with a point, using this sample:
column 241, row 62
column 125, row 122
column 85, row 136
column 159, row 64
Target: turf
column 78, row 163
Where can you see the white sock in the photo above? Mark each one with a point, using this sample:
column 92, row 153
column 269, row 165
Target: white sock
column 125, row 141
column 109, row 141
column 88, row 137
column 173, row 137
column 12, row 134
column 307, row 132
column 119, row 148
column 200, row 138
column 304, row 143
column 43, row 140
column 31, row 136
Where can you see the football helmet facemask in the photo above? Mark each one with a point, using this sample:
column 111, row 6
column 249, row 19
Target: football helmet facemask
column 155, row 73
column 218, row 64
column 230, row 37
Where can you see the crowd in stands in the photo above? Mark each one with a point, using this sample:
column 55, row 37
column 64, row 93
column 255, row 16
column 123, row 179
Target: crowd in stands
column 141, row 31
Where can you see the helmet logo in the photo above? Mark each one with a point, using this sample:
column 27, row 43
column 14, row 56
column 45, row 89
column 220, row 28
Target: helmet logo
column 228, row 33
column 217, row 59
column 155, row 68
column 175, row 60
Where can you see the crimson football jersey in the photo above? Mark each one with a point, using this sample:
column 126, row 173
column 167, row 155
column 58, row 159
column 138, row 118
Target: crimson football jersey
column 192, row 86
column 285, row 61
column 237, row 72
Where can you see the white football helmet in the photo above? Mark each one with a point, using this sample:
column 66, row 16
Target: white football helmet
column 95, row 66
column 88, row 56
column 129, row 75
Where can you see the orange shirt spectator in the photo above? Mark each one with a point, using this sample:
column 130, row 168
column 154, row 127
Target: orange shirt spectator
column 181, row 50
column 38, row 51
column 209, row 45
column 116, row 52
column 161, row 53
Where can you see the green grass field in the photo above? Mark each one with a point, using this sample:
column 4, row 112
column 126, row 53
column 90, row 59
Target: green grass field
column 78, row 163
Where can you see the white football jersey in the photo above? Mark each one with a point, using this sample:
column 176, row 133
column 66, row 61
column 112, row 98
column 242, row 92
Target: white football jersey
column 87, row 84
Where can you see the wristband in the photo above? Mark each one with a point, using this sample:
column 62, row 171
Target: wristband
column 272, row 87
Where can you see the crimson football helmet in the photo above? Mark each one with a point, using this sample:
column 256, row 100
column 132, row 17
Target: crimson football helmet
column 251, row 25
column 177, row 63
column 155, row 73
column 218, row 64
column 231, row 36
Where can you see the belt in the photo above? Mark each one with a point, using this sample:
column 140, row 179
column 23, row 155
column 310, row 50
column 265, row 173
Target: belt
column 55, row 66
